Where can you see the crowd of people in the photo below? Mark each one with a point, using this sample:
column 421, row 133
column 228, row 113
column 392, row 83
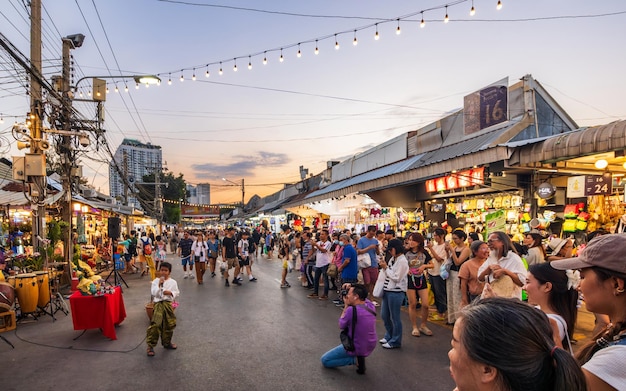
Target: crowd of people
column 513, row 307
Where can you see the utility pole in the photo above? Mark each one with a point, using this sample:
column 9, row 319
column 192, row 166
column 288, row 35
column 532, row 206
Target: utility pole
column 36, row 114
column 243, row 194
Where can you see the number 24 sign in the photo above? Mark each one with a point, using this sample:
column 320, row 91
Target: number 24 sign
column 598, row 185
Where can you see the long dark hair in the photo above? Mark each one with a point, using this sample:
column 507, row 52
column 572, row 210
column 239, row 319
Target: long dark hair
column 419, row 239
column 618, row 325
column 537, row 239
column 516, row 339
column 507, row 244
column 563, row 300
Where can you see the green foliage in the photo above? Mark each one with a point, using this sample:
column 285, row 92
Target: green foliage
column 175, row 190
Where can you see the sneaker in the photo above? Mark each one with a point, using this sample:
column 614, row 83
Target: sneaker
column 387, row 346
column 340, row 304
column 337, row 301
column 227, row 284
column 312, row 295
column 253, row 279
column 284, row 286
column 288, row 284
column 192, row 276
column 236, row 281
column 382, row 340
column 186, row 276
column 376, row 304
column 212, row 274
column 323, row 298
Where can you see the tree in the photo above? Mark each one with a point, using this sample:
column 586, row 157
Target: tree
column 174, row 190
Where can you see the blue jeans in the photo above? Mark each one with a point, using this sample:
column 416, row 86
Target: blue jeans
column 319, row 271
column 438, row 286
column 392, row 302
column 308, row 272
column 337, row 357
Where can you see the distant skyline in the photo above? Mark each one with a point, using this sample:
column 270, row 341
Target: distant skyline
column 262, row 124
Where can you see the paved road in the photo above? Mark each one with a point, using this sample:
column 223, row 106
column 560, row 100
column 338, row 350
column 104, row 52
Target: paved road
column 254, row 337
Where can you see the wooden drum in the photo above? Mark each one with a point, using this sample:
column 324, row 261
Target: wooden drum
column 43, row 283
column 27, row 292
column 7, row 296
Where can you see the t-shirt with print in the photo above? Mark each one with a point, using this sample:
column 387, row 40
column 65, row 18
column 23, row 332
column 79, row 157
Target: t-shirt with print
column 244, row 248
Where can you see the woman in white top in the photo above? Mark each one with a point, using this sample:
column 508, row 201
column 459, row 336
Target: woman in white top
column 396, row 280
column 199, row 252
column 536, row 252
column 603, row 284
column 554, row 292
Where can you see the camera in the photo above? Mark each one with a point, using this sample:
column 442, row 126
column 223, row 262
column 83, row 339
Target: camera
column 344, row 292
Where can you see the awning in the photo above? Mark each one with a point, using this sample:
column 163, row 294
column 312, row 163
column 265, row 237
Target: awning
column 582, row 142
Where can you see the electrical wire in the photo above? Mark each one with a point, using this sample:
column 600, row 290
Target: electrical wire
column 74, row 348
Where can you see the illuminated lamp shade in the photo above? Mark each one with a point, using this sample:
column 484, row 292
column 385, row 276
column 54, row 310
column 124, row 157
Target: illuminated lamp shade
column 77, row 207
column 624, row 165
column 601, row 164
column 147, row 79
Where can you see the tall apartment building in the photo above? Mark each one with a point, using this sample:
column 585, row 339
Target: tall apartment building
column 199, row 194
column 134, row 159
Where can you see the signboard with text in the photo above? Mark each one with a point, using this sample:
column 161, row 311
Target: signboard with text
column 200, row 210
column 457, row 180
column 487, row 107
column 598, row 185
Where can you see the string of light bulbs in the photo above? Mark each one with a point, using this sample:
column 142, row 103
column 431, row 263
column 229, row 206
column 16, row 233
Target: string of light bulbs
column 316, row 51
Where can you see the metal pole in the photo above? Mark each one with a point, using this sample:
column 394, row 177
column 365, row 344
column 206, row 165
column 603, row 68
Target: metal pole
column 66, row 153
column 243, row 194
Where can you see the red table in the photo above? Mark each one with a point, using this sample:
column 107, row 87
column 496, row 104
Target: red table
column 98, row 312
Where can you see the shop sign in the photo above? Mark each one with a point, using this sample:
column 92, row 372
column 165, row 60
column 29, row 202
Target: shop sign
column 546, row 190
column 598, row 185
column 486, row 107
column 576, row 186
column 199, row 210
column 495, row 221
column 457, row 180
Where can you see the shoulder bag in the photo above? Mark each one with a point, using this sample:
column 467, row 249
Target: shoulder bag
column 380, row 284
column 348, row 340
column 364, row 261
column 332, row 270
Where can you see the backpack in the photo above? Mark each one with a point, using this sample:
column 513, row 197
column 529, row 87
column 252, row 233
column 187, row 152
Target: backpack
column 147, row 248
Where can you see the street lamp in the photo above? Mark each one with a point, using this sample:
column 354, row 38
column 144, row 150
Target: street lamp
column 139, row 79
column 243, row 190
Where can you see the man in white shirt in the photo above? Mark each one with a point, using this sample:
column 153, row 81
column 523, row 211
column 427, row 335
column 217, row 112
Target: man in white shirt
column 440, row 254
column 322, row 260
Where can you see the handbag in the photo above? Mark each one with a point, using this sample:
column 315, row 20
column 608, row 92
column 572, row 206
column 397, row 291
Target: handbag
column 444, row 269
column 380, row 284
column 332, row 270
column 348, row 340
column 364, row 260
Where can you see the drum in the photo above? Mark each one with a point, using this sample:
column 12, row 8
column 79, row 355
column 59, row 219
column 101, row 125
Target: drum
column 27, row 292
column 11, row 281
column 7, row 296
column 43, row 283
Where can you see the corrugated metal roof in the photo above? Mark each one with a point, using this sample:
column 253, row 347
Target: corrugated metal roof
column 400, row 166
column 465, row 147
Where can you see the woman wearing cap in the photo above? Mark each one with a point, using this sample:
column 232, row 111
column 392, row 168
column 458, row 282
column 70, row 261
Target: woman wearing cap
column 560, row 249
column 536, row 252
column 503, row 264
column 396, row 272
column 603, row 272
column 504, row 344
column 554, row 292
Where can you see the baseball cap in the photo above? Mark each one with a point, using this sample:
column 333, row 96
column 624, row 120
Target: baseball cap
column 605, row 251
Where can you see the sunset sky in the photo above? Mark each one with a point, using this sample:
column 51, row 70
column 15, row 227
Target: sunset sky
column 262, row 124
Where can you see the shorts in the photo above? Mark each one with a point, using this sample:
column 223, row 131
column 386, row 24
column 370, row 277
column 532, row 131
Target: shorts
column 128, row 257
column 230, row 262
column 187, row 260
column 285, row 264
column 417, row 282
column 244, row 261
column 370, row 275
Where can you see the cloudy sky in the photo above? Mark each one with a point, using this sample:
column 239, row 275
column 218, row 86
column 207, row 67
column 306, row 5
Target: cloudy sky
column 262, row 123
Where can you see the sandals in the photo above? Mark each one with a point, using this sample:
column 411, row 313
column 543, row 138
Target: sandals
column 170, row 346
column 415, row 333
column 150, row 352
column 426, row 331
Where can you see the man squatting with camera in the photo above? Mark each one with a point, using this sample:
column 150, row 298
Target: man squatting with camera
column 364, row 333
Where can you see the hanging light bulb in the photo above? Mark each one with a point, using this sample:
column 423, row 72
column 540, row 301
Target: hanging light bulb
column 281, row 59
column 147, row 85
column 446, row 19
column 193, row 75
column 499, row 5
column 235, row 66
column 473, row 10
column 398, row 31
column 317, row 50
column 88, row 92
column 355, row 42
column 169, row 81
column 207, row 74
column 182, row 78
column 1, row 119
column 299, row 52
column 117, row 89
column 249, row 62
column 107, row 90
column 221, row 72
column 81, row 94
column 376, row 36
column 158, row 82
column 264, row 58
column 136, row 86
column 422, row 23
column 336, row 43
column 125, row 87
